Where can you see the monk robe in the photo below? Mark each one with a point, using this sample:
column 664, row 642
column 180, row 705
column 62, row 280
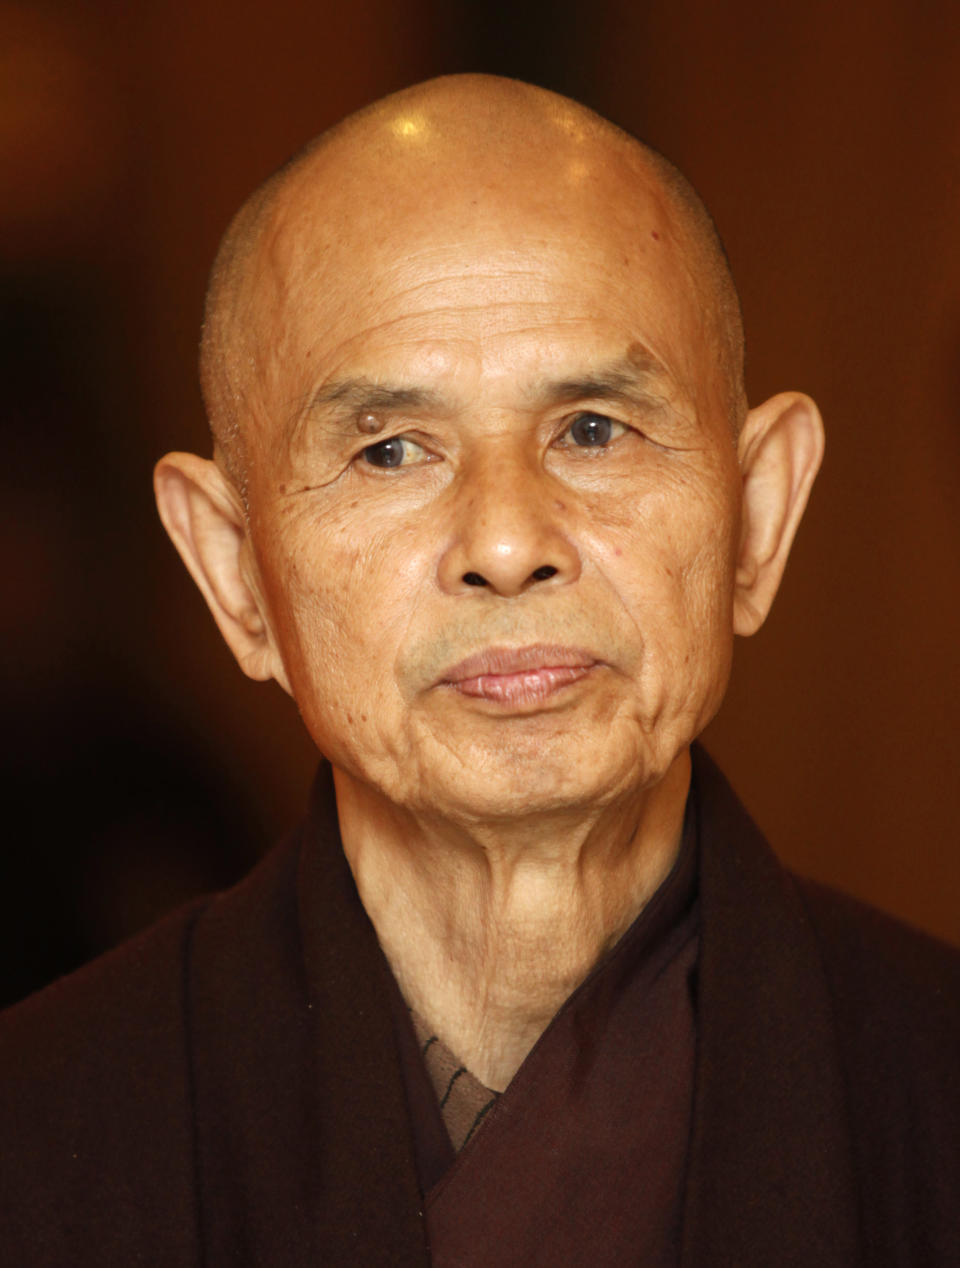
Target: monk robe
column 232, row 1089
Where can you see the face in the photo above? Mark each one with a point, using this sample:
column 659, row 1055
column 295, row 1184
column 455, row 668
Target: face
column 495, row 502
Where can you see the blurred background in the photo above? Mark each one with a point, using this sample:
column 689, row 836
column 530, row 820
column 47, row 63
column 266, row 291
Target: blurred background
column 140, row 765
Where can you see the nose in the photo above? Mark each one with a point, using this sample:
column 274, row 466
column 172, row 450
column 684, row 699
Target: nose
column 509, row 524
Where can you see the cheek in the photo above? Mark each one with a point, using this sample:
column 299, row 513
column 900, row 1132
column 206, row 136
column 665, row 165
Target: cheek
column 340, row 597
column 677, row 525
column 668, row 553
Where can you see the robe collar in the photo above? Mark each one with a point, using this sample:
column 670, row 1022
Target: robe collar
column 770, row 1169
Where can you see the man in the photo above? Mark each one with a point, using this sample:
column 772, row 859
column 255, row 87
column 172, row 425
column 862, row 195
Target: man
column 527, row 987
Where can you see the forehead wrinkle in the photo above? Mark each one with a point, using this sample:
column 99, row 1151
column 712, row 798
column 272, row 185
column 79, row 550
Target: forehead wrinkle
column 505, row 122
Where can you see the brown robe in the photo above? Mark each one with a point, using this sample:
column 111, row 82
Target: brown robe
column 226, row 1090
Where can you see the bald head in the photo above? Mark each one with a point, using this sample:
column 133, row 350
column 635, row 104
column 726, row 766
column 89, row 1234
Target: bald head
column 458, row 143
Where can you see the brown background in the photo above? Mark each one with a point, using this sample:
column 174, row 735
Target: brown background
column 141, row 765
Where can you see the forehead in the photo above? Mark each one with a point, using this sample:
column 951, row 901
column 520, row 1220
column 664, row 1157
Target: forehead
column 497, row 264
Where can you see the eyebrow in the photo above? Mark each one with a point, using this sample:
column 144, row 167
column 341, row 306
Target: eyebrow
column 361, row 396
column 631, row 386
column 627, row 380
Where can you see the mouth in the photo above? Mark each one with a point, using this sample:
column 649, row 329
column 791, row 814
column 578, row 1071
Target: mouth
column 523, row 675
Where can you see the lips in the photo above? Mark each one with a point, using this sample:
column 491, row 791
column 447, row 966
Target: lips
column 519, row 675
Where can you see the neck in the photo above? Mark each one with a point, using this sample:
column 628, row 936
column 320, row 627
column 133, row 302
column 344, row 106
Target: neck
column 489, row 929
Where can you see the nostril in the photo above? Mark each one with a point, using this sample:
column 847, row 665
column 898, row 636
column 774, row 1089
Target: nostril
column 541, row 574
column 474, row 579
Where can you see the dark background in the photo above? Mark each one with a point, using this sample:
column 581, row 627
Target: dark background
column 140, row 765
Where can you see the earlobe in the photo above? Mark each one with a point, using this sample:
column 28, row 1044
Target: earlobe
column 203, row 516
column 780, row 451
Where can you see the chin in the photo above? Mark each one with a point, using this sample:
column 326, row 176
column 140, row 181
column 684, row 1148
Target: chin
column 489, row 803
column 534, row 780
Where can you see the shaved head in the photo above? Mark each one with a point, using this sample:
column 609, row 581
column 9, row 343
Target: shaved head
column 456, row 138
column 473, row 364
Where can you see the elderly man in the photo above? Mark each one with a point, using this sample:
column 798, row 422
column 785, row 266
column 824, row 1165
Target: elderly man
column 527, row 987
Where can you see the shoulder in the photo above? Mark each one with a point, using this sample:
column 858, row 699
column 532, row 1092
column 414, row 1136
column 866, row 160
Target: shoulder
column 865, row 953
column 107, row 1027
column 894, row 986
column 96, row 1092
column 79, row 1063
column 895, row 996
column 873, row 944
column 826, row 987
column 126, row 1009
column 108, row 997
column 132, row 994
column 893, row 992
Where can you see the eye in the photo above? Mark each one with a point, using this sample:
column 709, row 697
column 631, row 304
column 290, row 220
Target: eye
column 393, row 452
column 593, row 431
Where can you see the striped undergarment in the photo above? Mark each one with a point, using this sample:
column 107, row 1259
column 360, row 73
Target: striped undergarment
column 464, row 1101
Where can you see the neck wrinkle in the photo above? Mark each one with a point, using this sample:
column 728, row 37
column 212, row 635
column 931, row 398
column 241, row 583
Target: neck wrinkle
column 486, row 957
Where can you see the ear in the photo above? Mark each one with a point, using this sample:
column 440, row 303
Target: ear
column 780, row 450
column 202, row 513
